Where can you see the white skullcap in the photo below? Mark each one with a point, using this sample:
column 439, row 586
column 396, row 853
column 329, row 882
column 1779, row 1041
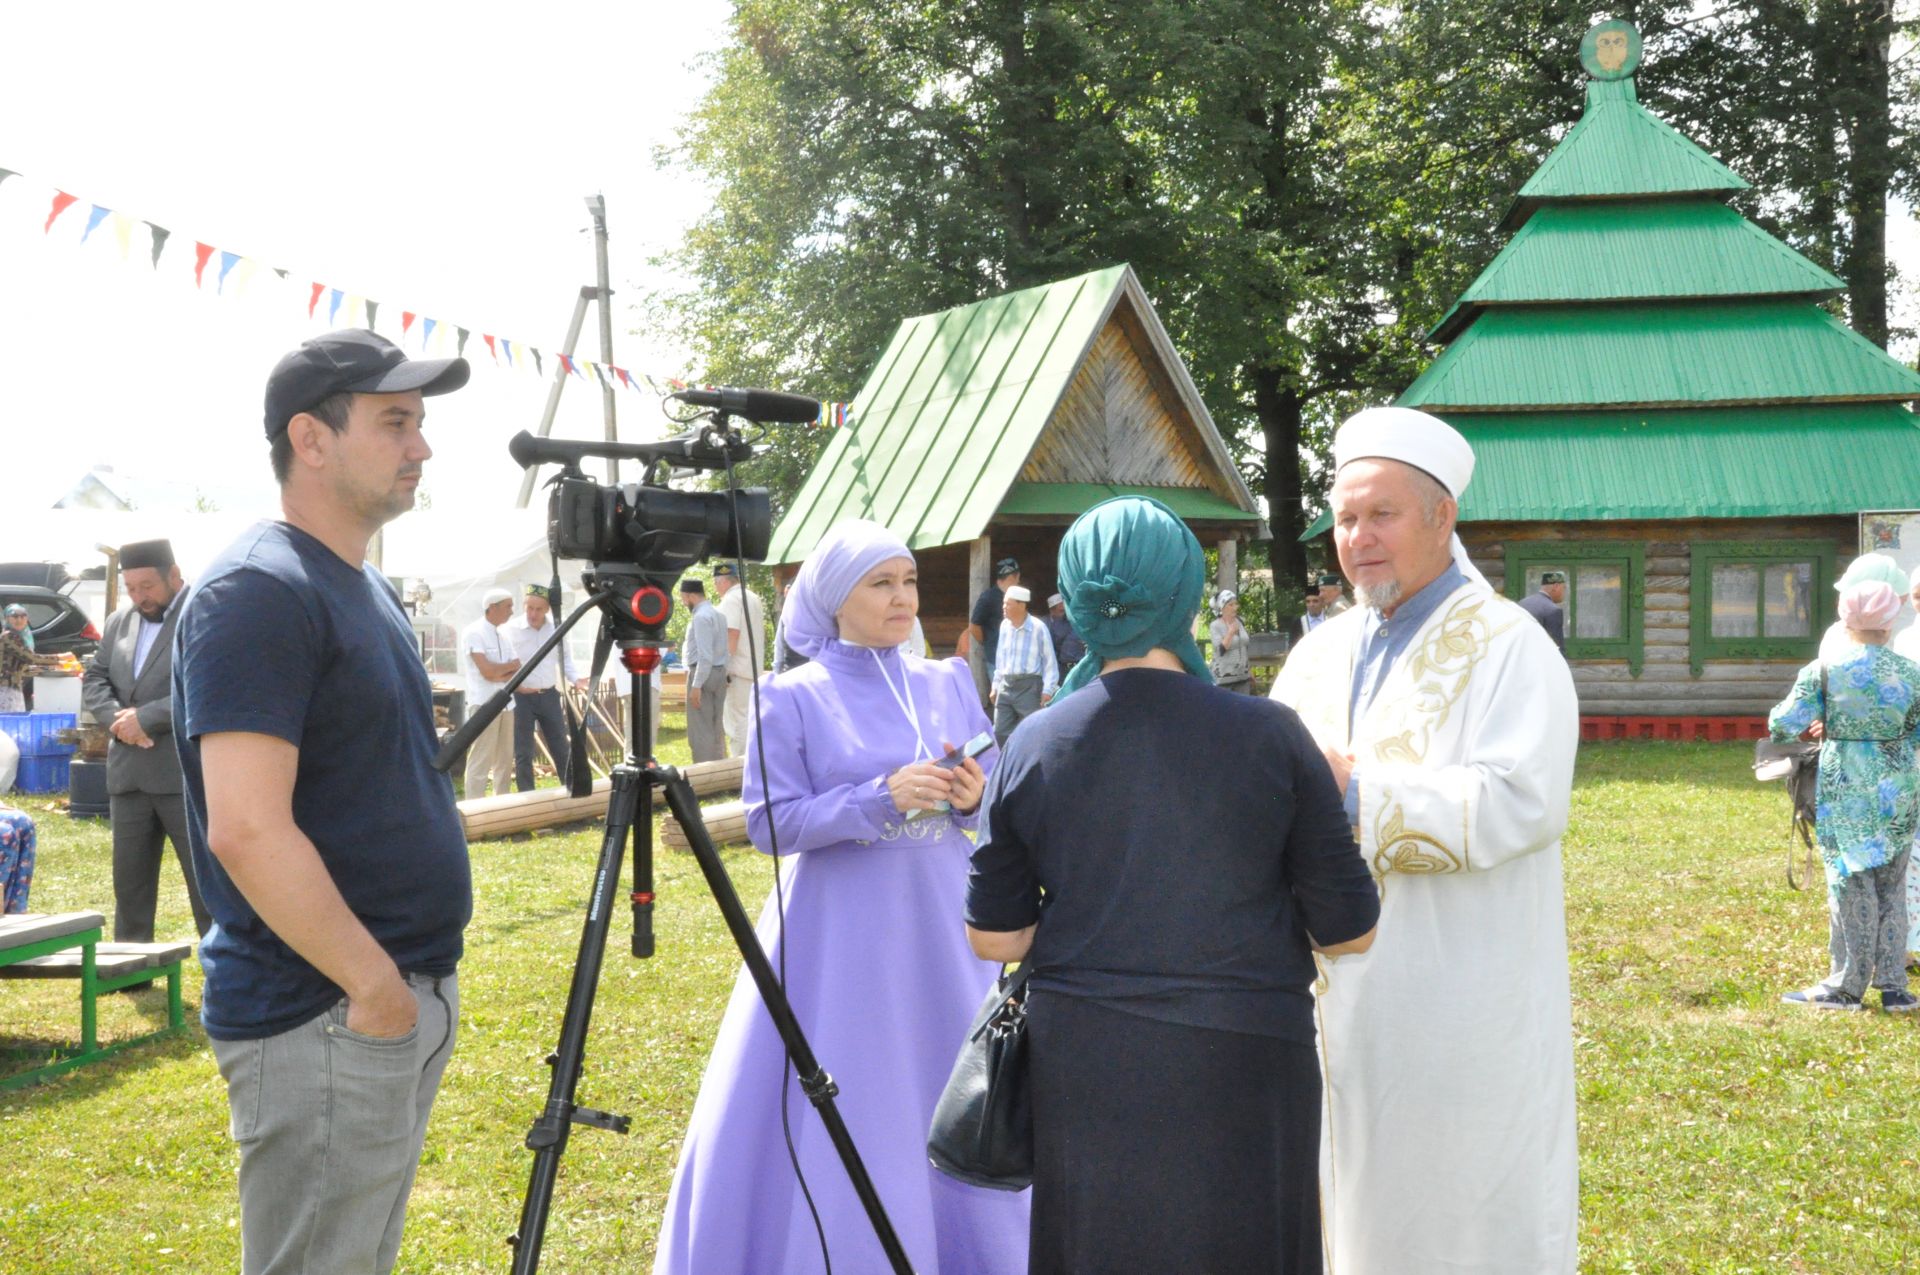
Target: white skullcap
column 1020, row 593
column 1410, row 437
column 1414, row 438
column 493, row 597
column 1056, row 600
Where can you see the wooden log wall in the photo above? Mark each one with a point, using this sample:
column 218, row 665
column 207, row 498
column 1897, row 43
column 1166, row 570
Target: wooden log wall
column 1666, row 685
column 946, row 595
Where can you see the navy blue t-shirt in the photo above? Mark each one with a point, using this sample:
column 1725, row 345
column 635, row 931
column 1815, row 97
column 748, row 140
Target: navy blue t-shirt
column 281, row 637
column 1177, row 844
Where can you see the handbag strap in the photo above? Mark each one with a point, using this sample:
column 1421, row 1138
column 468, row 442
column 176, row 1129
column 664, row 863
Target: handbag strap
column 1015, row 986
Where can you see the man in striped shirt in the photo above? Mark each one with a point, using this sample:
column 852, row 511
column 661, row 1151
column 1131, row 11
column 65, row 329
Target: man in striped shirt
column 1025, row 674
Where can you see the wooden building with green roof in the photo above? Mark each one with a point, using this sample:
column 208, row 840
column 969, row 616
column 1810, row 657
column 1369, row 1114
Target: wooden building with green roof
column 985, row 430
column 1663, row 406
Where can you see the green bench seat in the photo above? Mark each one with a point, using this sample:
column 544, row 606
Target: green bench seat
column 69, row 945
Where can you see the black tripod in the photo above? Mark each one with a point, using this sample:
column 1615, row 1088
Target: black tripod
column 630, row 808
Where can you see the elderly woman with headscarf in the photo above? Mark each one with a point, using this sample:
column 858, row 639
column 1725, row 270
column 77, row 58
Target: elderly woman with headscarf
column 1168, row 855
column 18, row 660
column 1867, row 702
column 843, row 774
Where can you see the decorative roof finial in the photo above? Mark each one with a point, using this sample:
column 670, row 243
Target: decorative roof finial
column 1611, row 50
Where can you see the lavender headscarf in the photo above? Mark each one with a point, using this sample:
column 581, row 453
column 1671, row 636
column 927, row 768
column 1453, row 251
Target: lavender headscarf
column 843, row 556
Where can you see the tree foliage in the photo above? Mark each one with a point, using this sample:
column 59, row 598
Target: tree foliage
column 1303, row 188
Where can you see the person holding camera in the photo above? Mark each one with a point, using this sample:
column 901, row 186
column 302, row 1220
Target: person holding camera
column 327, row 848
column 1170, row 919
column 856, row 775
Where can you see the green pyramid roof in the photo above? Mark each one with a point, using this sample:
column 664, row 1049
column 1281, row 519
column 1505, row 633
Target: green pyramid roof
column 1638, row 251
column 1735, row 462
column 1620, row 149
column 946, row 422
column 1570, row 356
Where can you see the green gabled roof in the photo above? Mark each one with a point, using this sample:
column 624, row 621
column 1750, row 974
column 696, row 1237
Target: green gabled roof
column 1636, row 251
column 1671, row 354
column 1740, row 462
column 1063, row 499
column 1620, row 149
column 953, row 408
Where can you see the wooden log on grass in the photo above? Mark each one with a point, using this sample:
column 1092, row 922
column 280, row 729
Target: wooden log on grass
column 726, row 823
column 499, row 816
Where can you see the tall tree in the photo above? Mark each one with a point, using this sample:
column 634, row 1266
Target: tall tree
column 931, row 154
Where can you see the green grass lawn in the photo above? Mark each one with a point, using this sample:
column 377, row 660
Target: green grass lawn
column 1719, row 1130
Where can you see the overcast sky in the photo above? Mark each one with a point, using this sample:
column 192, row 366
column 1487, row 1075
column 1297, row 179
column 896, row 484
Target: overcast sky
column 432, row 157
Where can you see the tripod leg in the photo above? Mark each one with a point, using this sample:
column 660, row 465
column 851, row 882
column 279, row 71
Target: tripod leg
column 548, row 1137
column 819, row 1086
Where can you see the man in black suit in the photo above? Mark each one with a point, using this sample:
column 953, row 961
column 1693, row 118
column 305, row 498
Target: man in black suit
column 1544, row 606
column 128, row 687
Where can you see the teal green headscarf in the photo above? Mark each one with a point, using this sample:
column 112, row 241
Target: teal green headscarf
column 1132, row 575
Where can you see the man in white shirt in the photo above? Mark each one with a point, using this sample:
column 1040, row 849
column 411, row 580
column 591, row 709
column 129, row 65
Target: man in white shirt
column 537, row 702
column 1025, row 674
column 488, row 661
column 746, row 621
column 1316, row 613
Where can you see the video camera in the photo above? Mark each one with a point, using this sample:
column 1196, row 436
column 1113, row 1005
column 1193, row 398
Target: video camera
column 648, row 529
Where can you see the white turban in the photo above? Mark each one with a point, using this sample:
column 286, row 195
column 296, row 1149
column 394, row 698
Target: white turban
column 1414, row 438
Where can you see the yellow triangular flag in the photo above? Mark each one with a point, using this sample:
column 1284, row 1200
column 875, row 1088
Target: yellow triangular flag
column 123, row 232
column 243, row 274
column 356, row 306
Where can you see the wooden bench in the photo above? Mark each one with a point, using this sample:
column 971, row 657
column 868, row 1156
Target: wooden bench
column 68, row 945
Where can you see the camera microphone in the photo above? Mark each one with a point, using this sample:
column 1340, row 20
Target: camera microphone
column 755, row 405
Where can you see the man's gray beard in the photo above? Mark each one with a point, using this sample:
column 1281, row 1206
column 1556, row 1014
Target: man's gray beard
column 1379, row 597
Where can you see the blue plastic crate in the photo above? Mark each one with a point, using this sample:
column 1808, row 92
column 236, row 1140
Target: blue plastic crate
column 34, row 732
column 43, row 774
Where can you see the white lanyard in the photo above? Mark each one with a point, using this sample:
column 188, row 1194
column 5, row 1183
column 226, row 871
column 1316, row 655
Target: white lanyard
column 906, row 705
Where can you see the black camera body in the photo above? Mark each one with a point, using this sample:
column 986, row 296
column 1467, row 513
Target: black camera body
column 655, row 528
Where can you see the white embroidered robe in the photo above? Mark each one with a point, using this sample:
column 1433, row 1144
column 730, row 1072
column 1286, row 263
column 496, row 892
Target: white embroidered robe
column 1449, row 1140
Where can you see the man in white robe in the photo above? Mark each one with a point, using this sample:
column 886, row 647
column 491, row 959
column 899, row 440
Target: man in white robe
column 1451, row 724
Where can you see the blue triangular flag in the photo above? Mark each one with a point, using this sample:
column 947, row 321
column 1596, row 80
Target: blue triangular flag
column 94, row 218
column 335, row 297
column 426, row 331
column 506, row 348
column 227, row 262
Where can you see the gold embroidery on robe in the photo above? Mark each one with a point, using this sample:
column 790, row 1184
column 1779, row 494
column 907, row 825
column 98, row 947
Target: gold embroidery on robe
column 1440, row 668
column 1398, row 848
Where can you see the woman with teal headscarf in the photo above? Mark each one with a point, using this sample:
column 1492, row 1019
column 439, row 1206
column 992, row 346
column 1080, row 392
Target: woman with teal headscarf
column 1167, row 855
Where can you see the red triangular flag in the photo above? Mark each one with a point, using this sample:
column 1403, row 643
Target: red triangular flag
column 314, row 300
column 202, row 253
column 488, row 338
column 406, row 323
column 61, row 202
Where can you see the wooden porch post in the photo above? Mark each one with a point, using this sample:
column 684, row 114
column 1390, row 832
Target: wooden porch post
column 979, row 576
column 1229, row 574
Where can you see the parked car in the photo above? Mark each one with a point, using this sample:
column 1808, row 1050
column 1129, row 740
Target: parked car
column 57, row 621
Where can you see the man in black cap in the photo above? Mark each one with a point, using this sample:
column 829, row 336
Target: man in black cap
column 328, row 849
column 1332, row 593
column 704, row 653
column 128, row 688
column 983, row 628
column 1544, row 604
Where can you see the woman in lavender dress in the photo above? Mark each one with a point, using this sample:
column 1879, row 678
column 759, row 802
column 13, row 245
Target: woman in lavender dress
column 881, row 979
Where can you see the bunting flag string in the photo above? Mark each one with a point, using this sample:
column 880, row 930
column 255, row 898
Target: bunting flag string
column 240, row 270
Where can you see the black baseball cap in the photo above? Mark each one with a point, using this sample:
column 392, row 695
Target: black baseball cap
column 352, row 361
column 1005, row 567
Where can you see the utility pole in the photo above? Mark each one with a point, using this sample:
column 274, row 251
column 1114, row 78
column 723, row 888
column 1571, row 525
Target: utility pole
column 602, row 291
column 597, row 206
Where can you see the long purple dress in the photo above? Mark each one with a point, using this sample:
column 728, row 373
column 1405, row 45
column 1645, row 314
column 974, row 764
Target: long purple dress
column 880, row 977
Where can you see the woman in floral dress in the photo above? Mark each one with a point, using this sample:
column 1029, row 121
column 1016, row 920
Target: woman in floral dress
column 1867, row 705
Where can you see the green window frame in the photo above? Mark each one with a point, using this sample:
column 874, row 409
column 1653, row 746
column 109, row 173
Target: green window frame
column 1628, row 557
column 1707, row 554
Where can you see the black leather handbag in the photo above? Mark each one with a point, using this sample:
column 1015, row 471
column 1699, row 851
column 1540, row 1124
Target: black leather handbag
column 982, row 1129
